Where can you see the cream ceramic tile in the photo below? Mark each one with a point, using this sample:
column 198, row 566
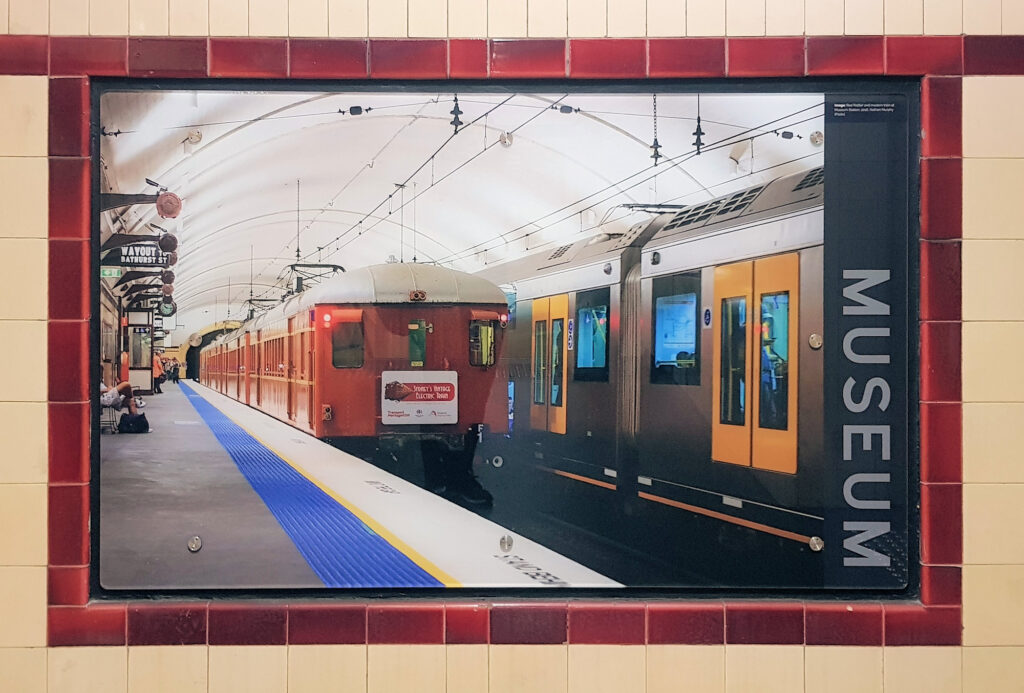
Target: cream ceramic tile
column 931, row 669
column 259, row 669
column 993, row 601
column 627, row 18
column 347, row 18
column 607, row 669
column 547, row 18
column 764, row 668
column 389, row 18
column 24, row 116
column 994, row 669
column 428, row 18
column 784, row 17
column 167, row 669
column 315, row 668
column 405, row 668
column 467, row 19
column 23, row 669
column 189, row 17
column 989, row 349
column 515, row 668
column 589, row 18
column 268, row 17
column 4, row 14
column 991, row 274
column 24, row 197
column 506, row 18
column 466, row 668
column 943, row 17
column 68, row 17
column 28, row 17
column 148, row 17
column 989, row 509
column 843, row 669
column 705, row 17
column 666, row 18
column 983, row 16
column 693, row 668
column 23, row 605
column 307, row 17
column 23, row 430
column 229, row 17
column 745, row 17
column 825, row 17
column 1013, row 17
column 990, row 103
column 993, row 439
column 992, row 203
column 904, row 16
column 23, row 517
column 88, row 669
column 864, row 17
column 108, row 17
column 24, row 344
column 23, row 261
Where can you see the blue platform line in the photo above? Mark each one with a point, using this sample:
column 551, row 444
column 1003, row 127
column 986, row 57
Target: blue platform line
column 340, row 548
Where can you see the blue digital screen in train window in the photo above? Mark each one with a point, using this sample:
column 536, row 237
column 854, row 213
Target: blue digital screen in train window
column 592, row 337
column 675, row 330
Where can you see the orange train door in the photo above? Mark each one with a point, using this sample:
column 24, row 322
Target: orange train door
column 755, row 363
column 548, row 361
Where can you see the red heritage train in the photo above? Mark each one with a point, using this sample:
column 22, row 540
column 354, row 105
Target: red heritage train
column 395, row 358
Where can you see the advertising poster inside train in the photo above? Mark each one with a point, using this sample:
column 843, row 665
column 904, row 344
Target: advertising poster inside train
column 504, row 335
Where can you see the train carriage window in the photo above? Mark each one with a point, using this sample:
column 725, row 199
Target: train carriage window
column 592, row 335
column 774, row 367
column 557, row 365
column 540, row 358
column 347, row 344
column 676, row 336
column 734, row 361
column 481, row 343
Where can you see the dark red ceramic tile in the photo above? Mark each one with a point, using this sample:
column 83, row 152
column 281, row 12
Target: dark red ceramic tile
column 328, row 59
column 327, row 624
column 466, row 624
column 942, row 524
column 97, row 624
column 686, row 624
column 529, row 58
column 528, row 624
column 69, row 280
column 940, row 280
column 920, row 625
column 23, row 55
column 686, row 57
column 167, row 57
column 69, row 198
column 405, row 59
column 843, row 624
column 69, row 442
column 607, row 58
column 941, row 443
column 940, row 362
column 68, row 586
column 248, row 57
column 467, row 58
column 607, row 624
column 167, row 624
column 940, row 585
column 994, row 55
column 69, row 116
column 941, row 198
column 765, row 57
column 89, row 55
column 924, row 55
column 68, row 526
column 68, row 361
column 405, row 624
column 253, row 624
column 764, row 624
column 941, row 100
column 845, row 55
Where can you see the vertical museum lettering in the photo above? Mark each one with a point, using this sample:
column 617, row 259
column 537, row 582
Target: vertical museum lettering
column 866, row 442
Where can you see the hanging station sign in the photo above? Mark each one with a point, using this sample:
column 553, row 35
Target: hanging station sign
column 142, row 255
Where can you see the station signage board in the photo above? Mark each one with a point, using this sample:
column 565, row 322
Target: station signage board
column 138, row 255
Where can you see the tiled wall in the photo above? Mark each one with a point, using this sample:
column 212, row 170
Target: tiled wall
column 978, row 177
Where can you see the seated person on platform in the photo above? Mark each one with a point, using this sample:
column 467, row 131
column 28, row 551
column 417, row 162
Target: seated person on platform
column 118, row 396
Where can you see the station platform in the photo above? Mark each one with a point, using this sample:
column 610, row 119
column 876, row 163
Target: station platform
column 277, row 508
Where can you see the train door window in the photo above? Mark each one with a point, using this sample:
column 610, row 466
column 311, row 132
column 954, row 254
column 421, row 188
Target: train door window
column 481, row 343
column 557, row 365
column 540, row 358
column 676, row 335
column 347, row 344
column 774, row 393
column 417, row 343
column 592, row 335
column 734, row 361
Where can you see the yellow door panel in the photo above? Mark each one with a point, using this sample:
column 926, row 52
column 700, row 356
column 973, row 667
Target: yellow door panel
column 731, row 363
column 558, row 314
column 539, row 366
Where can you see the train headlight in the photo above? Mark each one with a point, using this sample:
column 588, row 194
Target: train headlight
column 503, row 319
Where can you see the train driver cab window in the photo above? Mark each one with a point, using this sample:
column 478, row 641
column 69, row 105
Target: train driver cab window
column 481, row 343
column 592, row 335
column 347, row 344
column 675, row 341
column 774, row 361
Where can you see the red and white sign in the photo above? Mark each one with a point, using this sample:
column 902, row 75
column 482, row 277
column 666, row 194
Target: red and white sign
column 419, row 397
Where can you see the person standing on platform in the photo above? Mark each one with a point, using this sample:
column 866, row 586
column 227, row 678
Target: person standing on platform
column 158, row 373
